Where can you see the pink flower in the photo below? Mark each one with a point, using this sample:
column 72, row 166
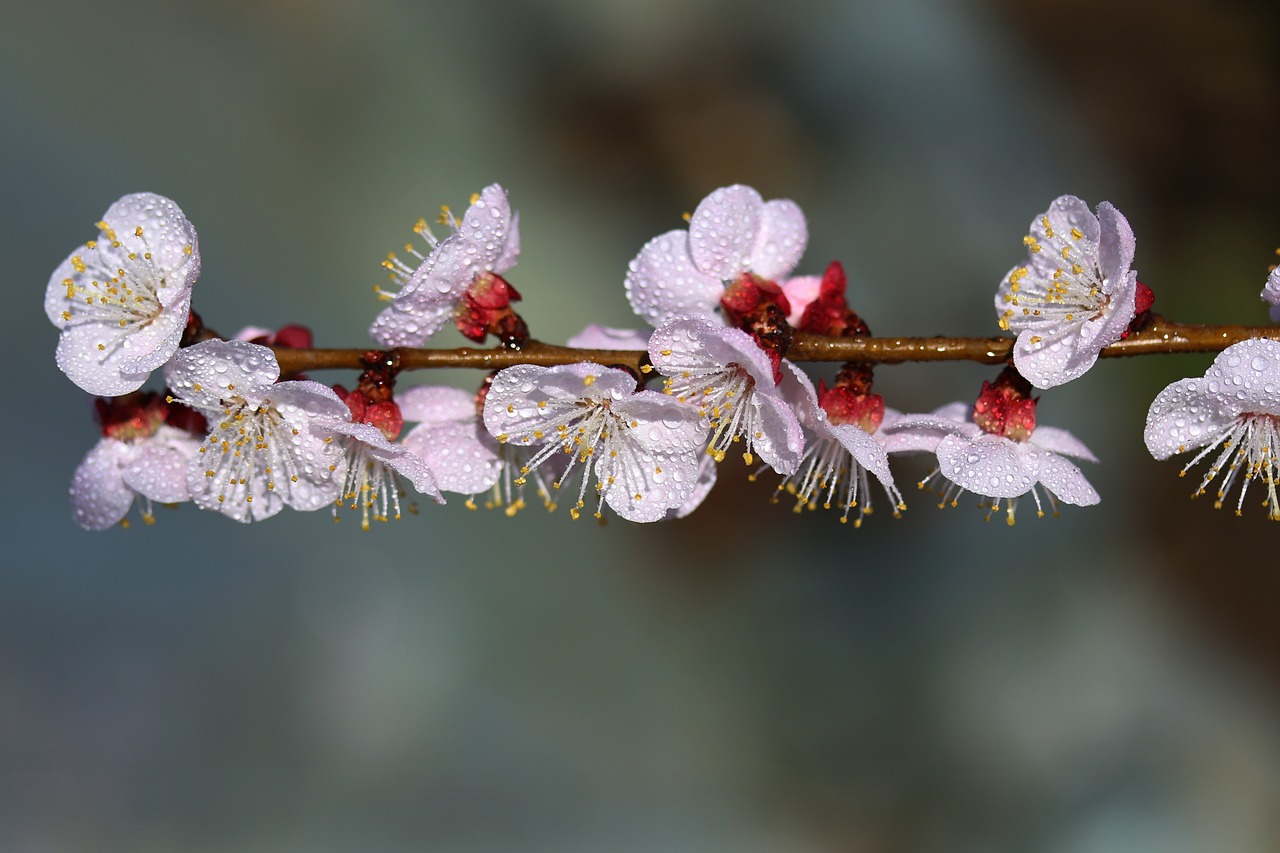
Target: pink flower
column 733, row 234
column 729, row 379
column 122, row 301
column 269, row 443
column 1076, row 294
column 460, row 280
column 640, row 446
column 1235, row 407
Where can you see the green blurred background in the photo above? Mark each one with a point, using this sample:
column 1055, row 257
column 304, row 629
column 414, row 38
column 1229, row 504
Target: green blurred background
column 743, row 680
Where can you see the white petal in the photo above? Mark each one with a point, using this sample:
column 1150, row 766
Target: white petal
column 159, row 470
column 436, row 404
column 780, row 442
column 99, row 496
column 662, row 281
column 1183, row 416
column 1246, row 376
column 1065, row 480
column 664, row 425
column 221, row 370
column 663, row 482
column 1116, row 243
column 865, row 449
column 511, row 252
column 1062, row 442
column 461, row 454
column 987, row 465
column 411, row 323
column 150, row 347
column 781, row 241
column 485, row 228
column 595, row 336
column 166, row 231
column 723, row 231
column 702, row 488
column 96, row 371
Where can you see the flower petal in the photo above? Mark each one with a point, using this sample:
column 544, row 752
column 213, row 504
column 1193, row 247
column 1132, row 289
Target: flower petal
column 1246, row 376
column 412, row 324
column 1116, row 243
column 596, row 336
column 99, row 496
column 97, row 370
column 436, row 404
column 780, row 440
column 662, row 281
column 800, row 291
column 206, row 374
column 463, row 457
column 1064, row 480
column 1062, row 442
column 662, row 424
column 987, row 465
column 1184, row 416
column 781, row 241
column 723, row 231
column 159, row 470
column 662, row 482
column 485, row 229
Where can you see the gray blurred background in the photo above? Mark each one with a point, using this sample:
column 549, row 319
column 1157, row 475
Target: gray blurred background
column 744, row 680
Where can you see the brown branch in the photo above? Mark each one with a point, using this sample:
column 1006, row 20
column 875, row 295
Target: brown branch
column 1160, row 336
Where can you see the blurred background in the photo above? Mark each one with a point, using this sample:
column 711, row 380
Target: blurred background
column 742, row 680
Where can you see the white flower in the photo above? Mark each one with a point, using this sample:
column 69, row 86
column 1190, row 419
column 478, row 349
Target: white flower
column 1271, row 294
column 374, row 468
column 468, row 263
column 122, row 301
column 1074, row 296
column 595, row 336
column 842, row 449
column 139, row 456
column 1233, row 409
column 641, row 446
column 267, row 447
column 730, row 380
column 992, row 466
column 732, row 233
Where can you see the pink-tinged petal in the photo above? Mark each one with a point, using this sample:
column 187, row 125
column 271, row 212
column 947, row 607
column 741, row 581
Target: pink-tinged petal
column 511, row 252
column 723, row 231
column 248, row 333
column 780, row 441
column 1064, row 480
column 512, row 404
column 400, row 327
column 1061, row 442
column 781, row 241
column 702, row 488
column 1182, row 417
column 96, row 370
column 662, row 281
column 435, row 404
column 691, row 344
column 1116, row 243
column 800, row 292
column 313, row 405
column 1246, row 376
column 662, row 481
column 207, row 373
column 922, row 433
column 596, row 336
column 150, row 347
column 463, row 457
column 1055, row 359
column 797, row 390
column 986, row 465
column 396, row 457
column 159, row 470
column 485, row 229
column 661, row 424
column 1271, row 292
column 99, row 496
column 865, row 449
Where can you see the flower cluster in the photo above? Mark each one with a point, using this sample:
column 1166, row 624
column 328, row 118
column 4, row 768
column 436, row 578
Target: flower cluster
column 229, row 433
